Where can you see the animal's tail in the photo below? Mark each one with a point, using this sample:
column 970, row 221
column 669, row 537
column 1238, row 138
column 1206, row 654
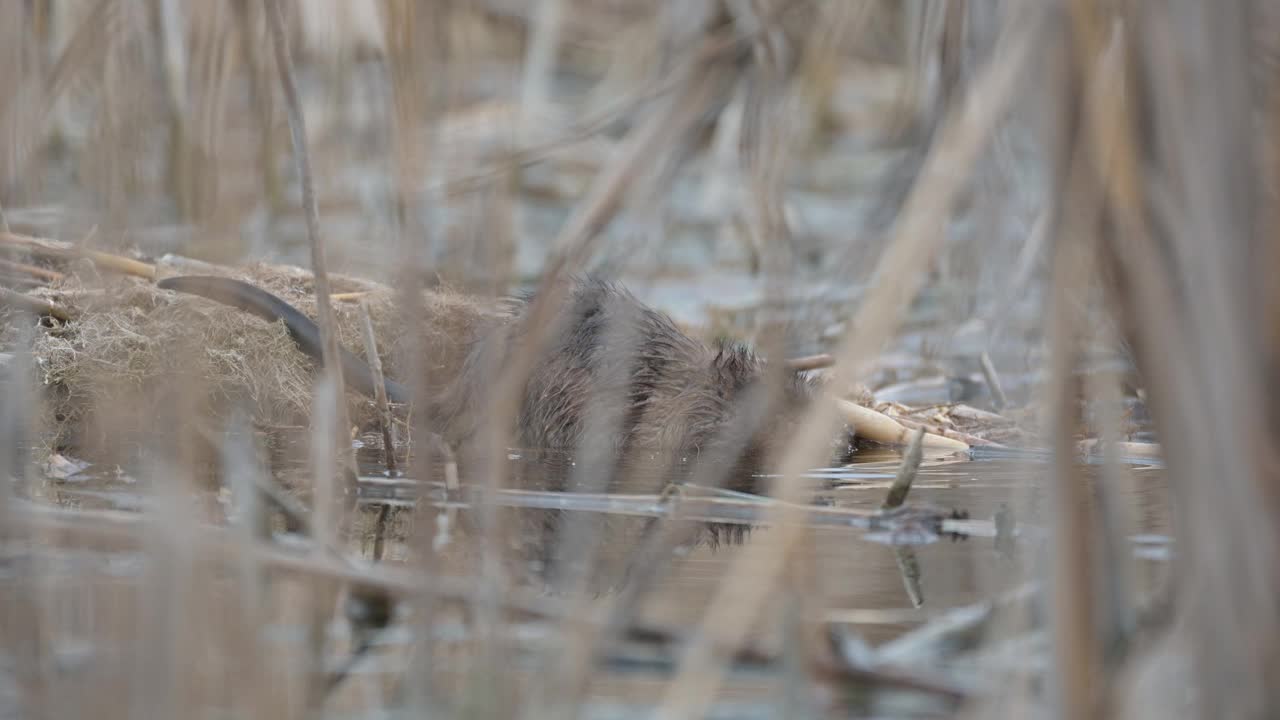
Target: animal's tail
column 301, row 328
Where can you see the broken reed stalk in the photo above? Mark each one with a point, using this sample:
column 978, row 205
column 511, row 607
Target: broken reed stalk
column 876, row 426
column 379, row 387
column 62, row 250
column 992, row 378
column 384, row 421
column 754, row 573
column 909, row 568
column 908, row 563
column 931, row 431
column 32, row 270
column 9, row 298
column 906, row 472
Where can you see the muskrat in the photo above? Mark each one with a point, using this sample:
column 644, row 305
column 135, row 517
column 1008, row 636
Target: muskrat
column 662, row 388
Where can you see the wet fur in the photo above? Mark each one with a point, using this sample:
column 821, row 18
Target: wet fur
column 663, row 389
column 615, row 376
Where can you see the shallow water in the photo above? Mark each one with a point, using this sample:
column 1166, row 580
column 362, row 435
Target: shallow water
column 859, row 572
column 95, row 595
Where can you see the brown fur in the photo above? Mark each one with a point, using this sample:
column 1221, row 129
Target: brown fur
column 654, row 387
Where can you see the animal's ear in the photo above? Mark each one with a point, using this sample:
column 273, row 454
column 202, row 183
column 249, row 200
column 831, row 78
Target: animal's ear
column 733, row 360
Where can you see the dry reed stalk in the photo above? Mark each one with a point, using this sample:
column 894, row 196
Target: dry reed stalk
column 33, row 270
column 168, row 600
column 909, row 568
column 17, row 300
column 540, row 56
column 248, row 525
column 849, row 672
column 878, row 427
column 1199, row 188
column 250, row 28
column 1120, row 448
column 60, row 249
column 908, row 563
column 319, row 265
column 577, row 547
column 171, row 36
column 217, row 544
column 704, row 87
column 349, row 296
column 327, row 531
column 329, row 448
column 771, row 126
column 1118, row 617
column 767, row 135
column 700, row 52
column 911, row 458
column 173, row 49
column 1082, row 690
column 820, row 64
column 923, row 25
column 385, row 421
column 1023, row 272
column 198, row 156
column 1163, row 345
column 650, row 145
column 581, row 646
column 992, row 379
column 677, row 526
column 809, row 362
column 379, row 388
column 968, row 439
column 1075, row 647
column 753, row 573
column 25, row 121
column 417, row 54
column 23, row 633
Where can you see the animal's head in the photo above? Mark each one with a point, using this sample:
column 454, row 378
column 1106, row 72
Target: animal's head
column 765, row 405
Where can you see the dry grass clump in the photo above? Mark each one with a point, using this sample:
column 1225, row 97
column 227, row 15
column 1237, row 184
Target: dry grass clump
column 133, row 354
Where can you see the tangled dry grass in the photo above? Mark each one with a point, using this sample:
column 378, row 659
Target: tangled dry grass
column 1136, row 137
column 132, row 350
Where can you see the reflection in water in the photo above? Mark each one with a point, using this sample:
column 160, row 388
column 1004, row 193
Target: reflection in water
column 858, row 578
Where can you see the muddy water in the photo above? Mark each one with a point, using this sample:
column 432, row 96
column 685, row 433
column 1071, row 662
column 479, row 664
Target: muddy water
column 859, row 576
column 861, row 581
column 94, row 596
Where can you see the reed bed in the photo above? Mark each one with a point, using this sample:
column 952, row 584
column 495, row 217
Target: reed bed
column 1025, row 247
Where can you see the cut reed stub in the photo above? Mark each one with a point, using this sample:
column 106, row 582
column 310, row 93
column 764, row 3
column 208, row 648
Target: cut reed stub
column 878, row 427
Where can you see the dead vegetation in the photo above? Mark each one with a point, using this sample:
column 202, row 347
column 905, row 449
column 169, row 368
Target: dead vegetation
column 1009, row 235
